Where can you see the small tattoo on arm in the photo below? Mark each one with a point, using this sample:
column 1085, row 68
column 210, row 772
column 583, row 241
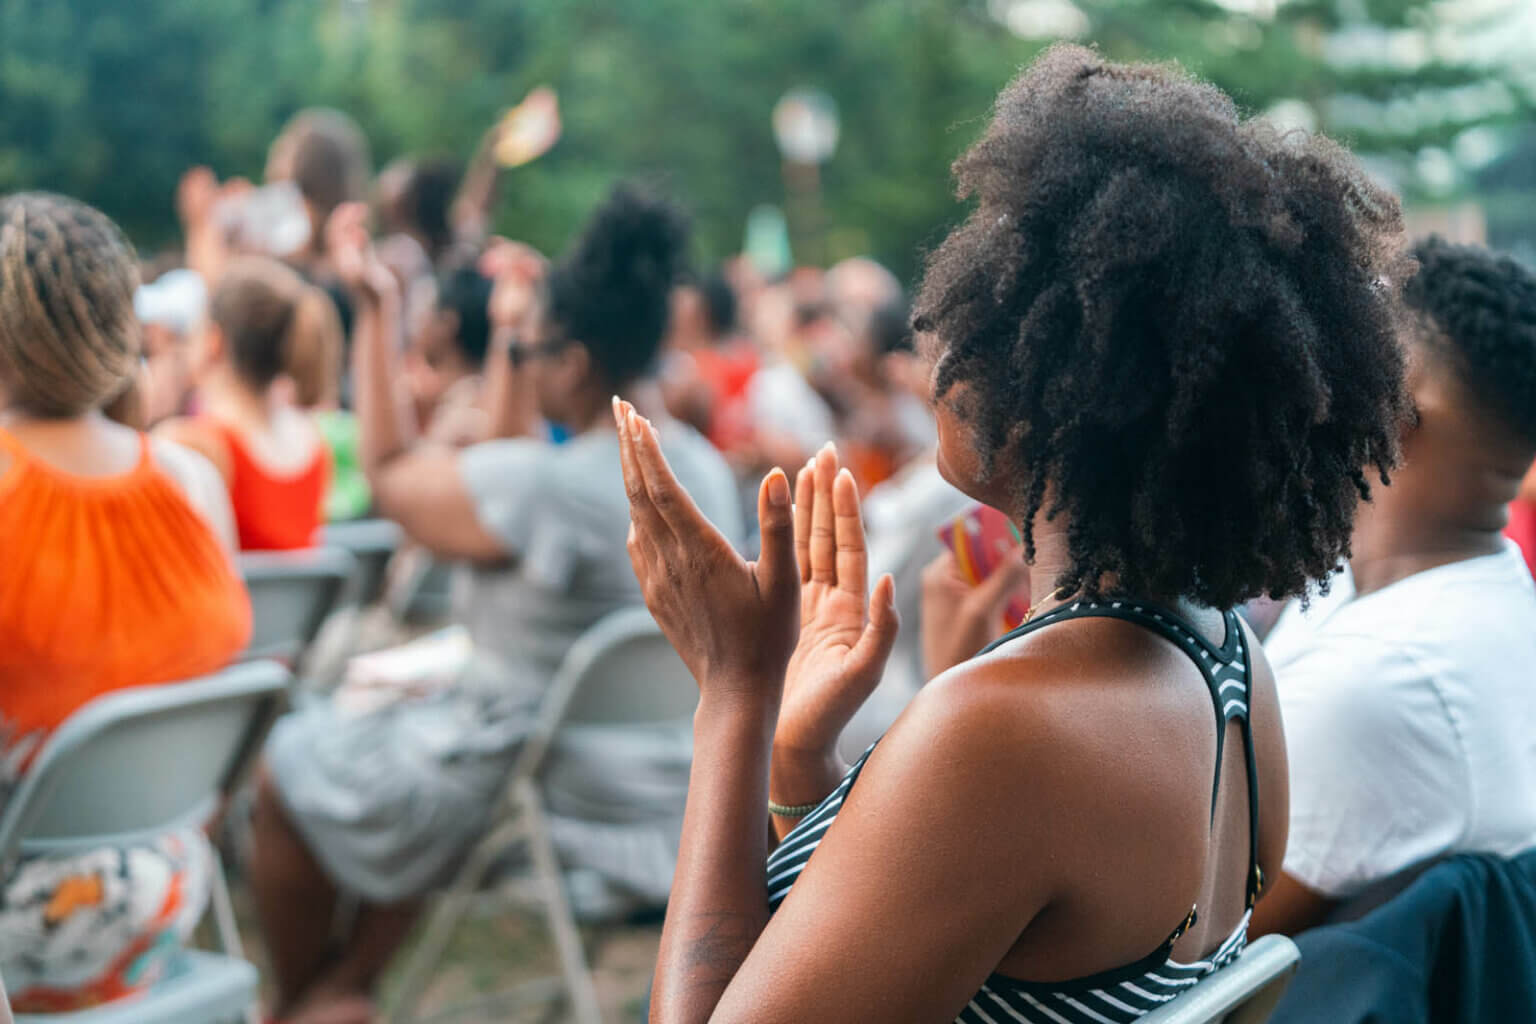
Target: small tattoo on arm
column 719, row 945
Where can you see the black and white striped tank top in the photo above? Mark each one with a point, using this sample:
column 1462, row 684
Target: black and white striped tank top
column 1126, row 993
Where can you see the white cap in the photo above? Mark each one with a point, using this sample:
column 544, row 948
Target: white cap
column 177, row 299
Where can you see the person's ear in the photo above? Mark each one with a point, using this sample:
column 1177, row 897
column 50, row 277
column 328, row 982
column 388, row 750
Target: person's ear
column 215, row 345
column 577, row 360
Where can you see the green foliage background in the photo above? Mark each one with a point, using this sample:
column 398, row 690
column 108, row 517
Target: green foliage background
column 110, row 100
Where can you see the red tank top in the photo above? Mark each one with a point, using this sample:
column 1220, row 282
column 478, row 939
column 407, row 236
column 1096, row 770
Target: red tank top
column 1522, row 529
column 273, row 511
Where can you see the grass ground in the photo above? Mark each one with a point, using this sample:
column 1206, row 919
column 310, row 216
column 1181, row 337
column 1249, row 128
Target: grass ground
column 493, row 952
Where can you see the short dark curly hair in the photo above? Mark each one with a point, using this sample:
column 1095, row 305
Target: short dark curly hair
column 612, row 291
column 1478, row 309
column 1174, row 325
column 466, row 293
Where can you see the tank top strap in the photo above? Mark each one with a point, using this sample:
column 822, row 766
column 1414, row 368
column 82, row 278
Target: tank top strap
column 1228, row 673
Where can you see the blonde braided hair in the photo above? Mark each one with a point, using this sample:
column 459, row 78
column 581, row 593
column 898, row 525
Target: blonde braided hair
column 69, row 340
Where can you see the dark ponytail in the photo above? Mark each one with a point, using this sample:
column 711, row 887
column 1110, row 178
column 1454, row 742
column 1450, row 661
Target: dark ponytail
column 612, row 291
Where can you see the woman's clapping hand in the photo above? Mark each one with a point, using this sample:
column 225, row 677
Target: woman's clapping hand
column 733, row 622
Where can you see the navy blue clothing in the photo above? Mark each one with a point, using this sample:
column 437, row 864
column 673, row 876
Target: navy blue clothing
column 1458, row 946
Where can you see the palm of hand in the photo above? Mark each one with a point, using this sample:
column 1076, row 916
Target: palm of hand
column 351, row 252
column 826, row 683
column 845, row 635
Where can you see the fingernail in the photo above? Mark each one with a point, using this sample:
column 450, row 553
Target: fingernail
column 778, row 488
column 845, row 472
column 618, row 414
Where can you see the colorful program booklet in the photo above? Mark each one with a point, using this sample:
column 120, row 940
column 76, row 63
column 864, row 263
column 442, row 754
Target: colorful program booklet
column 981, row 537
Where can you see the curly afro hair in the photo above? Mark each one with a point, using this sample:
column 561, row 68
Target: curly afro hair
column 1174, row 326
column 612, row 290
column 1478, row 309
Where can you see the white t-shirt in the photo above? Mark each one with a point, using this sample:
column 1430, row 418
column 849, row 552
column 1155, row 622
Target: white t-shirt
column 783, row 402
column 1410, row 721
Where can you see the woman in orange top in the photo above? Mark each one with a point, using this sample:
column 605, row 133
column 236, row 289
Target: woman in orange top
column 271, row 455
column 112, row 579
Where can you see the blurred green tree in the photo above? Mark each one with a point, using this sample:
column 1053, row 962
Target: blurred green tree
column 112, row 101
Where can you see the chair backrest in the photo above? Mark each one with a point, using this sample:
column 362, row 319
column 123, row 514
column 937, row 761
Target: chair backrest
column 292, row 592
column 622, row 671
column 423, row 592
column 372, row 542
column 134, row 762
column 625, row 672
column 1243, row 992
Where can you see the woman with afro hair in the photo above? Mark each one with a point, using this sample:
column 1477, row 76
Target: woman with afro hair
column 1163, row 342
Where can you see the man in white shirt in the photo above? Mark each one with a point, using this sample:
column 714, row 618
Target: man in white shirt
column 1409, row 690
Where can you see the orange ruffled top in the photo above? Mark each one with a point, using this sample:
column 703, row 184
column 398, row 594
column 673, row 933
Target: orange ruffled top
column 105, row 583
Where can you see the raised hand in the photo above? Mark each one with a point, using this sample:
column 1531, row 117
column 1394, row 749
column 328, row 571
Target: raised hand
column 846, row 633
column 960, row 619
column 516, row 269
column 351, row 254
column 733, row 622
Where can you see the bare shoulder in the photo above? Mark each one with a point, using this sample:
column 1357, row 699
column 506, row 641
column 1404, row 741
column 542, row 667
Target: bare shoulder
column 1044, row 707
column 183, row 430
column 189, row 433
column 1065, row 715
column 184, row 462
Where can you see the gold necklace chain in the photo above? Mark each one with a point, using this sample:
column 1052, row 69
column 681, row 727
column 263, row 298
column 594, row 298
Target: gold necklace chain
column 1057, row 594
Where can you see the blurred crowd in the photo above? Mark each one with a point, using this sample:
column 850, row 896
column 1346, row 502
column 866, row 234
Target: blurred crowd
column 333, row 344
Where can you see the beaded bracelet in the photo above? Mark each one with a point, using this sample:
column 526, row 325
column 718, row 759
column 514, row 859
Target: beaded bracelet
column 791, row 811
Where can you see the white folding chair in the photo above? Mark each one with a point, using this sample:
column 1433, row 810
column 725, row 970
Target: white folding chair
column 1243, row 992
column 621, row 672
column 292, row 594
column 422, row 593
column 131, row 765
column 372, row 542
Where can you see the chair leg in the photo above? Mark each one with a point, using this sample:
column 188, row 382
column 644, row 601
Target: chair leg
column 573, row 959
column 224, row 912
column 443, row 921
column 228, row 930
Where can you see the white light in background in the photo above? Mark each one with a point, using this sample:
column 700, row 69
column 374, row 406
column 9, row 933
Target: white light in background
column 1477, row 147
column 1264, row 10
column 1289, row 115
column 1040, row 19
column 1436, row 170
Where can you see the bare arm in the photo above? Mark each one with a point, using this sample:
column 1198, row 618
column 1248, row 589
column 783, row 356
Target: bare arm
column 203, row 485
column 473, row 206
column 415, row 483
column 845, row 946
column 511, row 403
column 901, row 914
column 1289, row 907
column 189, row 434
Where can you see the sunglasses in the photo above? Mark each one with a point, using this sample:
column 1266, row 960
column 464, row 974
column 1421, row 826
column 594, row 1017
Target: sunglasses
column 521, row 354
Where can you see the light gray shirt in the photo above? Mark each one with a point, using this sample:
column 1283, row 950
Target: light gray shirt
column 562, row 515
